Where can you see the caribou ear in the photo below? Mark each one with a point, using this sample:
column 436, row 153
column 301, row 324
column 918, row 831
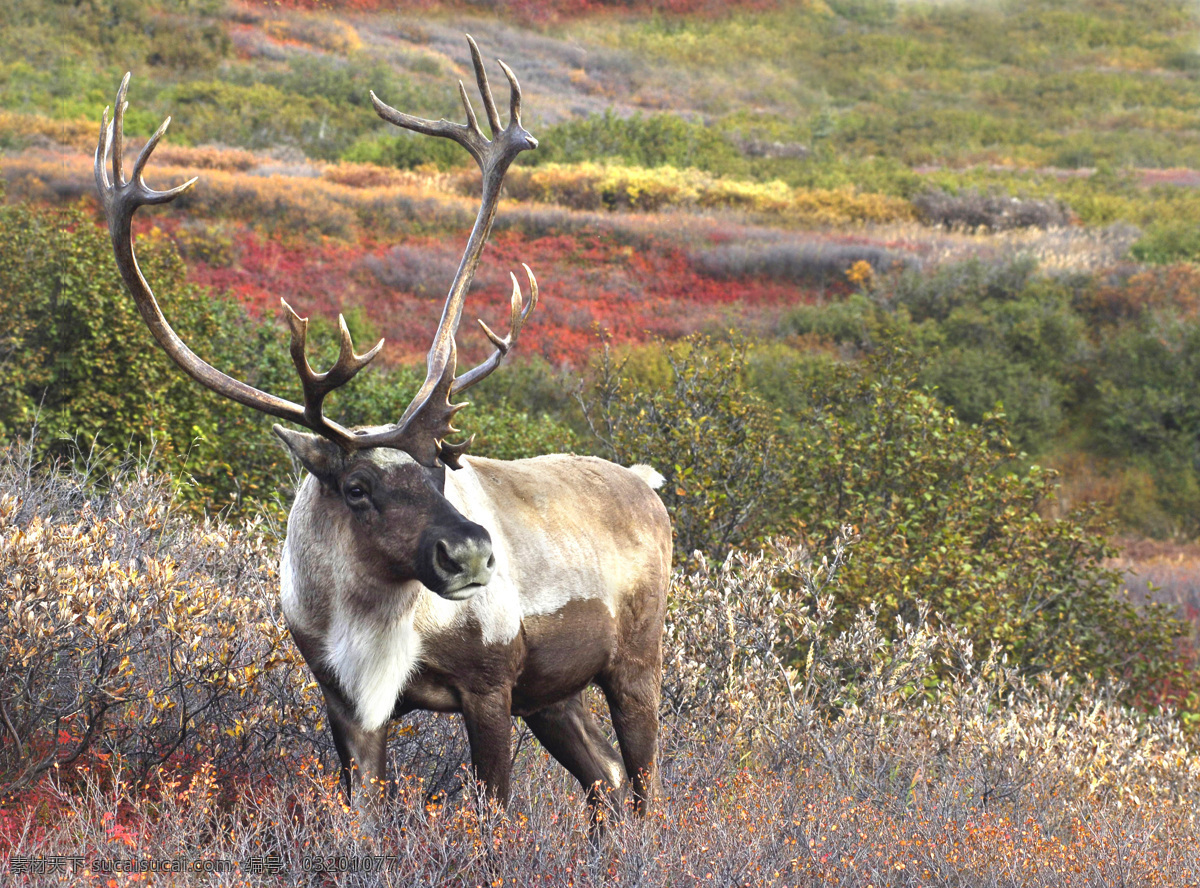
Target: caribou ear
column 317, row 454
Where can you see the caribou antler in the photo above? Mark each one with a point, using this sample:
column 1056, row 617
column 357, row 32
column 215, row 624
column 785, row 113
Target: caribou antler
column 121, row 198
column 428, row 419
column 422, row 429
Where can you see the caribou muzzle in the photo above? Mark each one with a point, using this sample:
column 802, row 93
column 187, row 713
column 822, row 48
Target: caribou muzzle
column 456, row 562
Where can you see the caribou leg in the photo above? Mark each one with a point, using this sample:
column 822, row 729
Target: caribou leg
column 570, row 734
column 633, row 699
column 488, row 720
column 363, row 755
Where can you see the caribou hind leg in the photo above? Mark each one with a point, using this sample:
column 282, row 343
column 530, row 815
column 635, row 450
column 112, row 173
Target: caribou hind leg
column 570, row 734
column 633, row 700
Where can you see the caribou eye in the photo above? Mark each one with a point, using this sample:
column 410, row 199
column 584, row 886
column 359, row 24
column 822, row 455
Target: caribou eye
column 356, row 493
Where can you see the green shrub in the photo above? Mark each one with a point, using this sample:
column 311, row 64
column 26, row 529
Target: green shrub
column 1147, row 415
column 945, row 510
column 692, row 419
column 653, row 141
column 81, row 366
column 256, row 115
column 406, row 151
column 989, row 333
column 1166, row 242
column 945, row 517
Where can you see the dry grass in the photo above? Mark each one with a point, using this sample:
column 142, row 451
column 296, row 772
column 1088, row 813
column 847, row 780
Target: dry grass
column 1168, row 572
column 879, row 759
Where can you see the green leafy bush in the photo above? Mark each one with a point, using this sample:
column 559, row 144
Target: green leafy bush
column 989, row 333
column 81, row 367
column 946, row 511
column 1147, row 416
column 1171, row 241
column 692, row 419
column 406, row 151
column 946, row 517
column 653, row 141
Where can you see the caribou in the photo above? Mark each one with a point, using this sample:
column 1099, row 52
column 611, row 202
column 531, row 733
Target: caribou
column 416, row 577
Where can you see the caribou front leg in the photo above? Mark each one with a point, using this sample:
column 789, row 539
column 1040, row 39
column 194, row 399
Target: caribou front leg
column 363, row 755
column 488, row 718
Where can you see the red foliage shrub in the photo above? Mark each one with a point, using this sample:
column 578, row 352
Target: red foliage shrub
column 588, row 284
column 1129, row 291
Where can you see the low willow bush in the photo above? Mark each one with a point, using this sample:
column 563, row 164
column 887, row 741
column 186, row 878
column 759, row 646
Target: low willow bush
column 133, row 633
column 154, row 708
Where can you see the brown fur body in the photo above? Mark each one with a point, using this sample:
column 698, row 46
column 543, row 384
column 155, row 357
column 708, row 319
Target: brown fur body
column 582, row 562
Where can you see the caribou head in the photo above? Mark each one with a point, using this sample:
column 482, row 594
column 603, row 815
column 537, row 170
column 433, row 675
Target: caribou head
column 414, row 577
column 391, row 478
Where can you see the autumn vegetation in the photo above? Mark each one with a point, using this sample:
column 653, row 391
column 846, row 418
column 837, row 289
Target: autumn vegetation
column 906, row 315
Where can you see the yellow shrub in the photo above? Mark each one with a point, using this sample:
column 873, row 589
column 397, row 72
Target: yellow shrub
column 572, row 185
column 638, row 188
column 80, row 133
column 839, row 206
column 591, row 186
column 861, row 272
column 763, row 197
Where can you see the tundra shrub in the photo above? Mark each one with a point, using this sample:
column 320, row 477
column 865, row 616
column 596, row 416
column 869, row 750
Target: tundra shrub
column 972, row 210
column 867, row 699
column 127, row 630
column 948, row 517
column 1168, row 241
column 80, row 364
column 716, row 444
column 988, row 333
column 133, row 633
column 948, row 512
column 647, row 141
column 592, row 186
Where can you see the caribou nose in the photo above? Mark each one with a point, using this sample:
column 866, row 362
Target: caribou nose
column 463, row 564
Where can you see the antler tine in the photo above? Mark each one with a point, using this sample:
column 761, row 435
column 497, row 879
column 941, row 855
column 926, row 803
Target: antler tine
column 139, row 166
column 485, row 91
column 428, row 415
column 121, row 198
column 118, row 136
column 100, row 162
column 514, row 93
column 317, row 385
column 472, row 121
column 520, row 312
